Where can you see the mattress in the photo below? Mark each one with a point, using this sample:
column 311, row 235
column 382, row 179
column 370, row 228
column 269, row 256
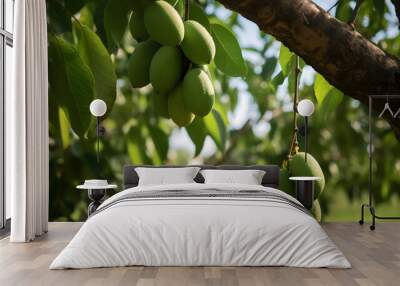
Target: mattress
column 201, row 225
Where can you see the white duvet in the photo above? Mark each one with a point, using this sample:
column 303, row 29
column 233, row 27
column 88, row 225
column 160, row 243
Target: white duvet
column 200, row 231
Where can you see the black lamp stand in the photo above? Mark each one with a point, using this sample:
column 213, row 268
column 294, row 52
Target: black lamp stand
column 305, row 137
column 100, row 132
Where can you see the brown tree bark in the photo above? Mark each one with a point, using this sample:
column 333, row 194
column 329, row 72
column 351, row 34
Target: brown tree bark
column 343, row 56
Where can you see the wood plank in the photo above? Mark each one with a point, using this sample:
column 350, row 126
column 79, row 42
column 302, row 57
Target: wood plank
column 375, row 257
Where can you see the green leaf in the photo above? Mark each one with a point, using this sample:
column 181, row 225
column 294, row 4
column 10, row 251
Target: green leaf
column 197, row 14
column 95, row 55
column 64, row 128
column 222, row 111
column 328, row 96
column 321, row 88
column 172, row 2
column 216, row 128
column 330, row 103
column 379, row 6
column 116, row 21
column 72, row 83
column 269, row 67
column 134, row 152
column 344, row 10
column 137, row 147
column 86, row 15
column 278, row 80
column 197, row 132
column 58, row 18
column 98, row 19
column 160, row 140
column 286, row 59
column 73, row 6
column 228, row 57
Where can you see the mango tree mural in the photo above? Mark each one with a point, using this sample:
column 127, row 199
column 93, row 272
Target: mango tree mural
column 175, row 70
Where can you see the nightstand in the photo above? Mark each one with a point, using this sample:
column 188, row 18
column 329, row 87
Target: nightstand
column 96, row 193
column 305, row 190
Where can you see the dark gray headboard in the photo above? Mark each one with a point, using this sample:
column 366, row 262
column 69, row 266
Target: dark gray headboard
column 271, row 177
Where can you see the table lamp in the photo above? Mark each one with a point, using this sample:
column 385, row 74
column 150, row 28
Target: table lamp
column 98, row 108
column 305, row 108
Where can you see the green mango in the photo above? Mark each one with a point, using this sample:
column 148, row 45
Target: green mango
column 198, row 45
column 198, row 92
column 316, row 210
column 161, row 104
column 176, row 107
column 166, row 69
column 285, row 184
column 299, row 168
column 139, row 63
column 164, row 24
column 137, row 28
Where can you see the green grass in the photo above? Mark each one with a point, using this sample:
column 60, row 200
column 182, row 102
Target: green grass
column 341, row 209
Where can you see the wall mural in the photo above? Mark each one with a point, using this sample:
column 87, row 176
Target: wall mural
column 195, row 82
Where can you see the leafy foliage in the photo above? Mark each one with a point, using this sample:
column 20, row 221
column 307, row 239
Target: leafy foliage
column 95, row 55
column 286, row 60
column 251, row 119
column 216, row 128
column 197, row 13
column 116, row 21
column 71, row 83
column 197, row 131
column 328, row 97
column 229, row 55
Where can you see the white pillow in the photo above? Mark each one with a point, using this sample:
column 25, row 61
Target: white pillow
column 166, row 176
column 248, row 177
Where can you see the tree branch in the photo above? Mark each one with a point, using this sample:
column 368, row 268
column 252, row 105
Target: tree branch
column 343, row 56
column 294, row 145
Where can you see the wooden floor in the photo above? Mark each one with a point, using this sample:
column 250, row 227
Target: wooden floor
column 375, row 257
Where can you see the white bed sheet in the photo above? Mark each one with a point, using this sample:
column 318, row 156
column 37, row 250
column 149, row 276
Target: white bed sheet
column 200, row 231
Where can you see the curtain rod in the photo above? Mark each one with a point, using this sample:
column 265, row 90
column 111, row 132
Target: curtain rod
column 384, row 96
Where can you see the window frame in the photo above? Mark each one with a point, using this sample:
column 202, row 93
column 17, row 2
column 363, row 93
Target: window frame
column 6, row 39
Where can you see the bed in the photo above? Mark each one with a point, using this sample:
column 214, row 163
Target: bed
column 198, row 224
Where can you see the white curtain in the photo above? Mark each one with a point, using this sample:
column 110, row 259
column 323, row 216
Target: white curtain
column 27, row 124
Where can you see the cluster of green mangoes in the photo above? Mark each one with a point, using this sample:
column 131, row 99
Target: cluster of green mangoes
column 171, row 55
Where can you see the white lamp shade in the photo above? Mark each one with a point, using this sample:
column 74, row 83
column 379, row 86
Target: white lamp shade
column 305, row 107
column 98, row 107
